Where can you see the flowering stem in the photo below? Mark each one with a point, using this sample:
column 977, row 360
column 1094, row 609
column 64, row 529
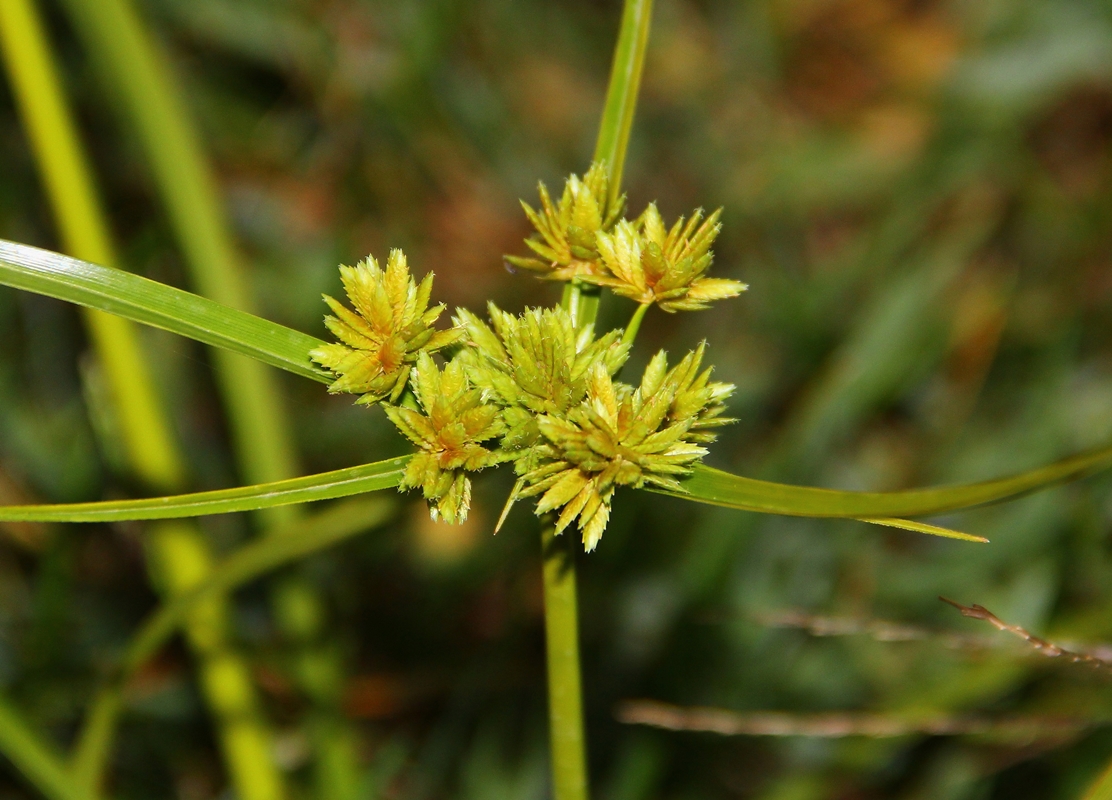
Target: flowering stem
column 634, row 325
column 568, row 741
column 621, row 97
column 581, row 301
column 565, row 703
column 561, row 627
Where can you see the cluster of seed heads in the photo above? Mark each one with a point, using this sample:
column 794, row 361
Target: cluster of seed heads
column 535, row 389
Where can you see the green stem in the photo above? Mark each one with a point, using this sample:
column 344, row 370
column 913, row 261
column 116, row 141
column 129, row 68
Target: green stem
column 179, row 549
column 565, row 703
column 308, row 535
column 567, row 738
column 263, row 441
column 561, row 615
column 28, row 750
column 634, row 325
column 621, row 96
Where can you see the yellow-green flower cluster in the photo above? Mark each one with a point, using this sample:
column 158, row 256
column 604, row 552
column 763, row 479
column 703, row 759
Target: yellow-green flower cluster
column 621, row 436
column 381, row 339
column 649, row 263
column 536, row 388
column 449, row 434
column 568, row 230
column 583, row 238
column 535, row 363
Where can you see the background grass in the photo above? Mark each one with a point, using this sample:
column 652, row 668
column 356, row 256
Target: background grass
column 918, row 195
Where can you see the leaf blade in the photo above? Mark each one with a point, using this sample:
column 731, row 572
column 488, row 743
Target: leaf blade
column 323, row 486
column 715, row 487
column 923, row 527
column 151, row 303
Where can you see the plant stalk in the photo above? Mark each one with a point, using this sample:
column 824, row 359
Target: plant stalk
column 29, row 751
column 561, row 614
column 621, row 95
column 178, row 551
column 634, row 325
column 565, row 702
column 116, row 34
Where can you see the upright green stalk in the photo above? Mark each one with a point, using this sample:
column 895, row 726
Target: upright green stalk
column 615, row 127
column 178, row 552
column 115, row 34
column 561, row 614
column 621, row 96
column 565, row 698
column 25, row 748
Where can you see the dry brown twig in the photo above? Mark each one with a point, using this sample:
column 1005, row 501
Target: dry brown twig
column 877, row 629
column 1100, row 658
column 839, row 725
column 1096, row 655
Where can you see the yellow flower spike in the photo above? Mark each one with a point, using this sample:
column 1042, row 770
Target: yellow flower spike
column 567, row 247
column 449, row 435
column 621, row 436
column 381, row 339
column 648, row 263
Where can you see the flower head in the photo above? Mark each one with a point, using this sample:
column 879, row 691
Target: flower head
column 449, row 435
column 381, row 339
column 648, row 263
column 535, row 363
column 621, row 436
column 568, row 247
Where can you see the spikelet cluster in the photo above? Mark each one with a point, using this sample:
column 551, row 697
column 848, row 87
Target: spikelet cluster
column 381, row 339
column 534, row 363
column 450, row 431
column 566, row 246
column 649, row 263
column 535, row 388
column 624, row 436
column 583, row 238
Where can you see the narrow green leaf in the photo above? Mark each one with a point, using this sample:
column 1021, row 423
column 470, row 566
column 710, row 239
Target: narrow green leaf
column 152, row 303
column 35, row 757
column 715, row 487
column 324, row 486
column 285, row 545
column 923, row 527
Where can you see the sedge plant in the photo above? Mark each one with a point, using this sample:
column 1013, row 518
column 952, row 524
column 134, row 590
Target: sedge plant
column 540, row 392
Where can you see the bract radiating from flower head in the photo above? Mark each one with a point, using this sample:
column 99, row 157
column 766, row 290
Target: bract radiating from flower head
column 648, row 263
column 381, row 339
column 449, row 434
column 621, row 436
column 567, row 247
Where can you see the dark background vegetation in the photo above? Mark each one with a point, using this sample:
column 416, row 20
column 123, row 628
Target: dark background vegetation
column 918, row 193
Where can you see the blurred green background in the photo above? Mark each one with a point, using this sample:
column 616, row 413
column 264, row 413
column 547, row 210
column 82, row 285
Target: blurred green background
column 919, row 193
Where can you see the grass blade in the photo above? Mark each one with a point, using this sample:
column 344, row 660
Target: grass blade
column 285, row 545
column 323, row 486
column 38, row 763
column 715, row 487
column 141, row 300
column 923, row 527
